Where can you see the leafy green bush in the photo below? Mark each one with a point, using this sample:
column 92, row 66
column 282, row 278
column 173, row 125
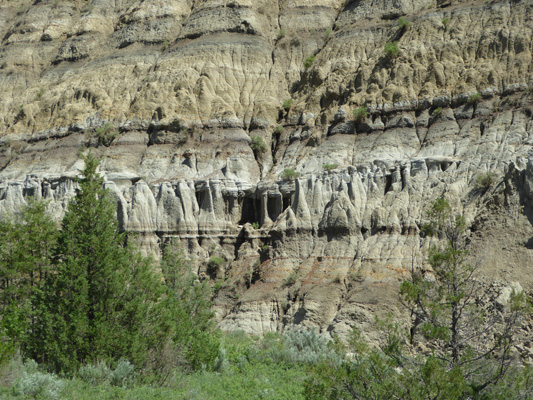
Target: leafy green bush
column 255, row 225
column 475, row 98
column 289, row 174
column 330, row 167
column 287, row 104
column 392, row 50
column 258, row 143
column 445, row 21
column 403, row 23
column 309, row 61
column 278, row 129
column 360, row 114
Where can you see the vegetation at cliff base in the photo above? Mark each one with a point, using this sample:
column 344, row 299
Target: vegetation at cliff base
column 83, row 294
column 468, row 350
column 85, row 316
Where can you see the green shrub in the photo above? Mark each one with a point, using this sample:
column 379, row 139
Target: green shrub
column 258, row 143
column 306, row 346
column 106, row 134
column 100, row 374
column 485, row 181
column 278, row 130
column 97, row 374
column 289, row 174
column 255, row 225
column 403, row 23
column 360, row 114
column 445, row 21
column 475, row 98
column 330, row 167
column 164, row 46
column 309, row 61
column 287, row 104
column 281, row 34
column 392, row 50
column 216, row 261
column 37, row 385
column 437, row 112
column 124, row 374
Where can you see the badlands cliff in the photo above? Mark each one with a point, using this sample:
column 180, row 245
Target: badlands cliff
column 178, row 97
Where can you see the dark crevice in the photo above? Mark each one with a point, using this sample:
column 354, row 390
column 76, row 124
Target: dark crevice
column 250, row 211
column 388, row 183
column 286, row 202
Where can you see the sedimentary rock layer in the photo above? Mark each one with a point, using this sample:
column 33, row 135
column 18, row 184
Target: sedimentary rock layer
column 198, row 107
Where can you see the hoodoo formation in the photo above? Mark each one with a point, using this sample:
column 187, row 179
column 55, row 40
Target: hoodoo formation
column 291, row 146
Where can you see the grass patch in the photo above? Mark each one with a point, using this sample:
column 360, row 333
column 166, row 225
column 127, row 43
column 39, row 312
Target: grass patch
column 287, row 104
column 330, row 167
column 360, row 114
column 274, row 367
column 309, row 61
column 474, row 99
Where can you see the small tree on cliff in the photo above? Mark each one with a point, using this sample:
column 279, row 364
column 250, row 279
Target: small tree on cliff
column 468, row 344
column 98, row 302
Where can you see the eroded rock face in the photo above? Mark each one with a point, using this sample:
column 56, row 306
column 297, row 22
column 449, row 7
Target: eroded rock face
column 186, row 103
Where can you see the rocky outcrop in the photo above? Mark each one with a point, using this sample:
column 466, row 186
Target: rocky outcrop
column 197, row 107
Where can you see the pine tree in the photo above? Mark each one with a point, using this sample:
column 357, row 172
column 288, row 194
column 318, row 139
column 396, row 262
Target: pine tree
column 96, row 304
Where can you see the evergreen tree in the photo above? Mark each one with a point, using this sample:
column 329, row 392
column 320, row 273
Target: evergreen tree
column 97, row 302
column 445, row 310
column 26, row 244
column 194, row 332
